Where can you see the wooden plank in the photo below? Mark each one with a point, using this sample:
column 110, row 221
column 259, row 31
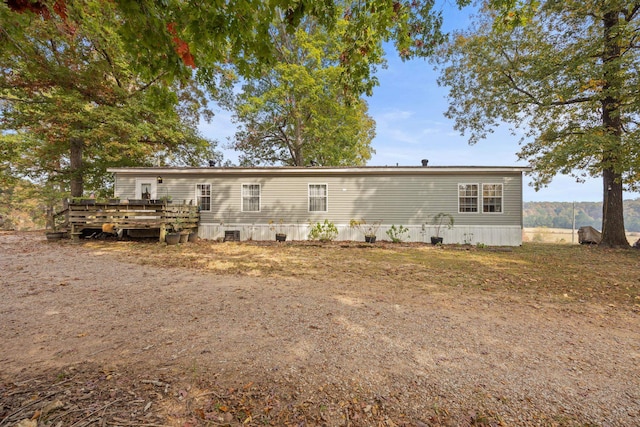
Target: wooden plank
column 132, row 216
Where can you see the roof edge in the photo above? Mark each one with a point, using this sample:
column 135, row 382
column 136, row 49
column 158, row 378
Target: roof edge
column 290, row 170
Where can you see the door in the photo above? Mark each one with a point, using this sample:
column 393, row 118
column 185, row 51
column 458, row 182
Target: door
column 146, row 188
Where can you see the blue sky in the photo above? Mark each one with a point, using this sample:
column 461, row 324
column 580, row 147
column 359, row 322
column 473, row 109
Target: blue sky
column 408, row 107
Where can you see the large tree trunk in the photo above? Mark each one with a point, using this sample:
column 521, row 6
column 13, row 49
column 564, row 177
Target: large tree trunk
column 75, row 167
column 613, row 233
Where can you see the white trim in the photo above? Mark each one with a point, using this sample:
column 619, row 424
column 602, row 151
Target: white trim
column 198, row 195
column 326, row 196
column 242, row 196
column 478, row 197
column 153, row 181
column 367, row 170
column 501, row 198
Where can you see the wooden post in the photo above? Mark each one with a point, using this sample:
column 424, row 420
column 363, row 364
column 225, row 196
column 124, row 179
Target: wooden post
column 163, row 231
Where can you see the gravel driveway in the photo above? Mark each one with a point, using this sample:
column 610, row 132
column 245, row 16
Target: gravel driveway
column 350, row 353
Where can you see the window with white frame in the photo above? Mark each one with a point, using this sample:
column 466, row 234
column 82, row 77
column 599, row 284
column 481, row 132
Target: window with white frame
column 250, row 197
column 492, row 198
column 467, row 198
column 203, row 196
column 317, row 197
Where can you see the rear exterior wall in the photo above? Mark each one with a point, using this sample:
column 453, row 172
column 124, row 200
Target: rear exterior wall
column 408, row 200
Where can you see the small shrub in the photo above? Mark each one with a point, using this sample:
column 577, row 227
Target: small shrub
column 468, row 238
column 368, row 229
column 324, row 231
column 397, row 234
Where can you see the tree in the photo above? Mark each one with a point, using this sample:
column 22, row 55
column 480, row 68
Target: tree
column 173, row 37
column 568, row 73
column 72, row 106
column 296, row 112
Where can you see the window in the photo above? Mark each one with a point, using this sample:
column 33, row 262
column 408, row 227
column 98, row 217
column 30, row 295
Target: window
column 146, row 191
column 467, row 198
column 492, row 198
column 146, row 188
column 203, row 196
column 250, row 197
column 317, row 197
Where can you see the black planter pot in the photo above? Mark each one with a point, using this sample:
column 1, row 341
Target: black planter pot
column 281, row 237
column 172, row 238
column 436, row 240
column 370, row 239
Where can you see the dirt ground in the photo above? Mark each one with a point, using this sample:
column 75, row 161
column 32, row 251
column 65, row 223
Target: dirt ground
column 88, row 338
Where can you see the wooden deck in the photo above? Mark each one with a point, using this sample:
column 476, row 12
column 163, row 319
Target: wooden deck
column 141, row 215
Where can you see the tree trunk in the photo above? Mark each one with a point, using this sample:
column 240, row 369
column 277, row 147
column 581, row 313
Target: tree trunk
column 613, row 233
column 298, row 158
column 75, row 167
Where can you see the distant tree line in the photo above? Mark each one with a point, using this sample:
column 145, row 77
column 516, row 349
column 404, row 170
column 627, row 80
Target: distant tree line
column 560, row 214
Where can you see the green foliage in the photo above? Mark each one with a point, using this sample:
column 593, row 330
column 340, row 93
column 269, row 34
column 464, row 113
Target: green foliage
column 68, row 90
column 565, row 72
column 324, row 231
column 368, row 229
column 171, row 37
column 442, row 219
column 296, row 112
column 397, row 234
column 23, row 206
column 560, row 214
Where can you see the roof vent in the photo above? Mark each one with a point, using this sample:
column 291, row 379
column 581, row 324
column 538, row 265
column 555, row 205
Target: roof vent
column 425, row 163
column 212, row 163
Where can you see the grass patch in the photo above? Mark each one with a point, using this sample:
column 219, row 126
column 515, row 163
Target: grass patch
column 568, row 273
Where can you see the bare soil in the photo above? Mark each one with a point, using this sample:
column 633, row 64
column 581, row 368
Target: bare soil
column 101, row 334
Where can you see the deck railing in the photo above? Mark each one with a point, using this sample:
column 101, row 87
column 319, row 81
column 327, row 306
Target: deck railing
column 140, row 215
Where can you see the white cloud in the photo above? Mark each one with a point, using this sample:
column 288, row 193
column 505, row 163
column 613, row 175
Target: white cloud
column 393, row 115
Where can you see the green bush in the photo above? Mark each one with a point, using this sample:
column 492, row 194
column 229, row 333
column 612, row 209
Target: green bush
column 324, row 231
column 397, row 235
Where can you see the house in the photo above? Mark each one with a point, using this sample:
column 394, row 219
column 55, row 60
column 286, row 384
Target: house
column 486, row 202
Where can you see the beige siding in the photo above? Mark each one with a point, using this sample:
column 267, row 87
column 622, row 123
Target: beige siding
column 393, row 199
column 401, row 199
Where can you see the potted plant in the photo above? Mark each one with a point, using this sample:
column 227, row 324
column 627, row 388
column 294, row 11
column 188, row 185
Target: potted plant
column 174, row 236
column 368, row 229
column 440, row 220
column 278, row 227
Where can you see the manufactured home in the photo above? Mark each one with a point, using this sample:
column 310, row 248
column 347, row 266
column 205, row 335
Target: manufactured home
column 485, row 202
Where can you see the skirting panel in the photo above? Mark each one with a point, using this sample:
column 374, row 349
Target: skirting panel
column 462, row 234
